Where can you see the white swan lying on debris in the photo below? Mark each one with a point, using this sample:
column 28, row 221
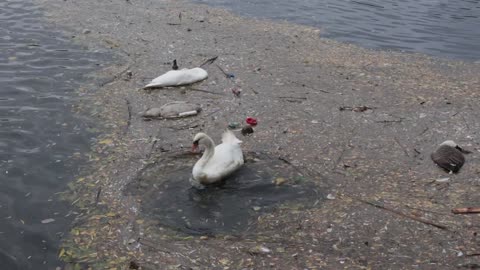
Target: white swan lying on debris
column 179, row 77
column 217, row 162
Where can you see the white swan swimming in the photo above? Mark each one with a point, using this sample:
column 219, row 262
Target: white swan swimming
column 218, row 161
column 178, row 77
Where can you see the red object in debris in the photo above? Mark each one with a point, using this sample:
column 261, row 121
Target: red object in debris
column 251, row 121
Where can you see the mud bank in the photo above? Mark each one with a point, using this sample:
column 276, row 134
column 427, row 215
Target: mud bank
column 356, row 124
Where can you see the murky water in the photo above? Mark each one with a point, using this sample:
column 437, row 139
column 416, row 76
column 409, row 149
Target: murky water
column 436, row 27
column 229, row 207
column 39, row 70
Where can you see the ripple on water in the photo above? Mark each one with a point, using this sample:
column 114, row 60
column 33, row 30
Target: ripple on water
column 230, row 207
column 438, row 27
column 39, row 68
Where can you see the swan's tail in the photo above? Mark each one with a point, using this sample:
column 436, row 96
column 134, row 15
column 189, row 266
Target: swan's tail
column 229, row 137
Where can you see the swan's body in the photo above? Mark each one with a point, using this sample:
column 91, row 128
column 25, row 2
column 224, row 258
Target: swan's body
column 179, row 77
column 218, row 161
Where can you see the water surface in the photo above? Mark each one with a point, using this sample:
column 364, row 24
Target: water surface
column 39, row 70
column 436, row 27
column 231, row 206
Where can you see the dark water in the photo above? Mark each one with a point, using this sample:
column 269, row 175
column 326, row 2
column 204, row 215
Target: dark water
column 39, row 70
column 230, row 207
column 437, row 27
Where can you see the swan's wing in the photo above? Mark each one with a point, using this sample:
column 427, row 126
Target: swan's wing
column 227, row 159
column 179, row 77
column 229, row 137
column 165, row 79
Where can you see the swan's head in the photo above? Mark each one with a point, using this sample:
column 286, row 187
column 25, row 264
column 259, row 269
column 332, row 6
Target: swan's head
column 197, row 140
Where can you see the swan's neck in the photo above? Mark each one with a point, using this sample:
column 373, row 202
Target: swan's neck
column 209, row 151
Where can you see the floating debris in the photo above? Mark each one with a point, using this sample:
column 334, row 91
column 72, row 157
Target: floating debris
column 331, row 196
column 251, row 121
column 442, row 180
column 48, row 220
column 236, row 91
column 279, row 181
column 355, row 109
column 259, row 250
column 247, row 130
column 233, row 125
column 175, row 109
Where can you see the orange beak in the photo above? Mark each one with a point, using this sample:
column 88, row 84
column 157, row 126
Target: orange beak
column 195, row 148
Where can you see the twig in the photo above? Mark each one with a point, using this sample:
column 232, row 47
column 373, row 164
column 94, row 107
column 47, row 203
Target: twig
column 116, row 76
column 401, row 146
column 439, row 226
column 356, row 109
column 97, row 198
column 209, row 61
column 174, row 24
column 205, row 91
column 427, row 211
column 390, row 121
column 304, row 98
column 152, row 246
column 304, row 85
column 227, row 75
column 151, row 148
column 423, row 132
column 466, row 210
column 289, row 163
column 129, row 120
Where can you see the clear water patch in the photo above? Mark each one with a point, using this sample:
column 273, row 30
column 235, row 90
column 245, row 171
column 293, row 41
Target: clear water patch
column 262, row 185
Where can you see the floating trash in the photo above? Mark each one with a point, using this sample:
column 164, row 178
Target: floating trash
column 175, row 109
column 247, row 130
column 251, row 121
column 233, row 125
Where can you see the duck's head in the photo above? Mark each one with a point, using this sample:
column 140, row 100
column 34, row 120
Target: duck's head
column 450, row 143
column 197, row 140
column 454, row 145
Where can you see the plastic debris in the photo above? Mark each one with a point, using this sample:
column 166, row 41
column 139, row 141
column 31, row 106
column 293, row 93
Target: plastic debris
column 442, row 180
column 233, row 125
column 175, row 109
column 247, row 130
column 251, row 121
column 259, row 250
column 279, row 181
column 48, row 220
column 236, row 91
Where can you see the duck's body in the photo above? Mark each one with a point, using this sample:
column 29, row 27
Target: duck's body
column 449, row 156
column 179, row 77
column 217, row 162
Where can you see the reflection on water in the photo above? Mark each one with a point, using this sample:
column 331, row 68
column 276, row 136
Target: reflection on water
column 436, row 27
column 231, row 206
column 39, row 69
